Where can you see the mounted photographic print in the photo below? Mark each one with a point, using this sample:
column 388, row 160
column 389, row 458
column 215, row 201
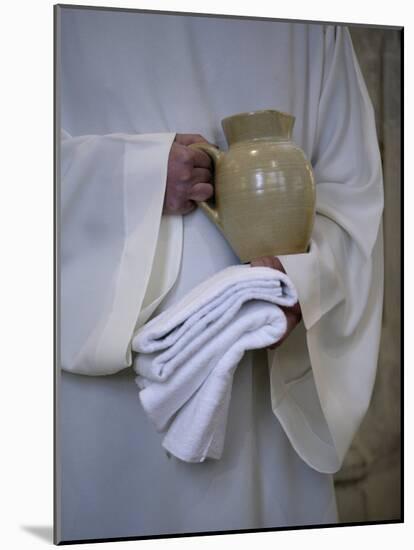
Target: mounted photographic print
column 228, row 274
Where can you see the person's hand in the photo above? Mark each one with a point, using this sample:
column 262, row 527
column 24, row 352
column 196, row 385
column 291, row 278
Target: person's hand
column 189, row 176
column 294, row 313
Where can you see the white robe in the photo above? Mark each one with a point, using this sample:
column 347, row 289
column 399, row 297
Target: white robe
column 128, row 82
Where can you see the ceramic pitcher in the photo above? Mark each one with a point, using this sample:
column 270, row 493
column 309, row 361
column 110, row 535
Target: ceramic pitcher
column 264, row 201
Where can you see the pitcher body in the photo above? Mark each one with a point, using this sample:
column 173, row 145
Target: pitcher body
column 264, row 187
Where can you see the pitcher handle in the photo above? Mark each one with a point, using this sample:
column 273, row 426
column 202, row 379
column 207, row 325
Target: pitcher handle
column 215, row 155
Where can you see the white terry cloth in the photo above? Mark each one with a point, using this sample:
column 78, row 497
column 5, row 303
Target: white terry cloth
column 187, row 355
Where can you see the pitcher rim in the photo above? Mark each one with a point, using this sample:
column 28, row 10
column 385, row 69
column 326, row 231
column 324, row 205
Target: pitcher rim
column 259, row 111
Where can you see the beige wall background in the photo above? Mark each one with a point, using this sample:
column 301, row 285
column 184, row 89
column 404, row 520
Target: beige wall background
column 368, row 486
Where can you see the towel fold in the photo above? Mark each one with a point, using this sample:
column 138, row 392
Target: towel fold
column 187, row 355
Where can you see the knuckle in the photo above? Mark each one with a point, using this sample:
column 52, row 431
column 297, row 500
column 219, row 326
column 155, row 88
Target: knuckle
column 186, row 174
column 186, row 155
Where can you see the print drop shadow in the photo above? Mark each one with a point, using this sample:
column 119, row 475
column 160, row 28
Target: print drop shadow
column 43, row 532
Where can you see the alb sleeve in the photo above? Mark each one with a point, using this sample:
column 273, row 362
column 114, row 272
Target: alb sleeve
column 111, row 197
column 340, row 280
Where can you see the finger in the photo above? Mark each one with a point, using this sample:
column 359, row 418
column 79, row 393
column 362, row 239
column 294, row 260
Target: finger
column 277, row 344
column 277, row 264
column 268, row 261
column 182, row 155
column 291, row 321
column 264, row 261
column 257, row 262
column 200, row 159
column 201, row 175
column 188, row 207
column 201, row 192
column 188, row 139
column 181, row 208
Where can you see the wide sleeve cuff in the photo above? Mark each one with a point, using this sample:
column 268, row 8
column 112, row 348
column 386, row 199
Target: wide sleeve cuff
column 302, row 270
column 145, row 174
column 113, row 190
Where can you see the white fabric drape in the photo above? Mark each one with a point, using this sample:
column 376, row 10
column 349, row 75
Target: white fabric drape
column 340, row 279
column 113, row 238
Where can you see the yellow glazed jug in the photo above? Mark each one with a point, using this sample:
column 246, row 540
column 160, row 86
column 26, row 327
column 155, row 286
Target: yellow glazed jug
column 263, row 185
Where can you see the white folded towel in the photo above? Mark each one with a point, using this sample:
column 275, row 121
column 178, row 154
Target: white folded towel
column 187, row 355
